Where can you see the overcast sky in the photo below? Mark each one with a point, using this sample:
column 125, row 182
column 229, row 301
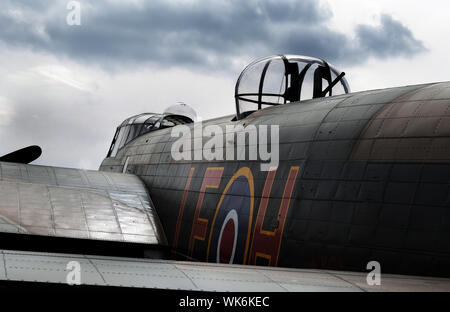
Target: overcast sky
column 66, row 88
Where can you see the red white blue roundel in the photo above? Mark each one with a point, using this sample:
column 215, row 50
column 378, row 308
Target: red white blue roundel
column 226, row 248
column 231, row 225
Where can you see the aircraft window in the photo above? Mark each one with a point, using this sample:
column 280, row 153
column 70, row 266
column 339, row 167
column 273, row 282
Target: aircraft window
column 179, row 120
column 338, row 89
column 114, row 147
column 151, row 123
column 307, row 92
column 167, row 123
column 141, row 124
column 274, row 82
column 250, row 80
column 125, row 130
column 117, row 141
column 283, row 79
column 141, row 118
column 134, row 132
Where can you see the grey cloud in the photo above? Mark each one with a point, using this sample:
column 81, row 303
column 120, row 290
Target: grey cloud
column 205, row 34
column 391, row 38
column 73, row 126
column 319, row 41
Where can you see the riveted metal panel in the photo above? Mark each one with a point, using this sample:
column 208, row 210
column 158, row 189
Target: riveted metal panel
column 372, row 163
column 77, row 204
column 411, row 128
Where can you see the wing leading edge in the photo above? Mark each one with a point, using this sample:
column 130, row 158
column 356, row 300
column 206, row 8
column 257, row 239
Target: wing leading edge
column 192, row 276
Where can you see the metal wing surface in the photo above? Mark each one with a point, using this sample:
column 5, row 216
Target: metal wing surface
column 76, row 203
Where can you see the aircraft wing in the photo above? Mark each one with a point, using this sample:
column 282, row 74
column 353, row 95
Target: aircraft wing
column 73, row 203
column 55, row 269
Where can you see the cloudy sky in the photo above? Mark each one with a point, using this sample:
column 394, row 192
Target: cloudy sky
column 66, row 88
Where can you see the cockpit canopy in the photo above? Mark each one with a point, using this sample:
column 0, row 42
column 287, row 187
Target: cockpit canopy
column 141, row 124
column 282, row 79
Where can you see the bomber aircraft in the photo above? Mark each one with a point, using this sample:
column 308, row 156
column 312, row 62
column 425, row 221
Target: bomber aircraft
column 307, row 187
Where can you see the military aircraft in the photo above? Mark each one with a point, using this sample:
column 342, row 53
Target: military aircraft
column 359, row 177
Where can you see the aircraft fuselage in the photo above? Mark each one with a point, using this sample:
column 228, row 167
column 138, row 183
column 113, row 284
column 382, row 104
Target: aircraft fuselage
column 361, row 177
